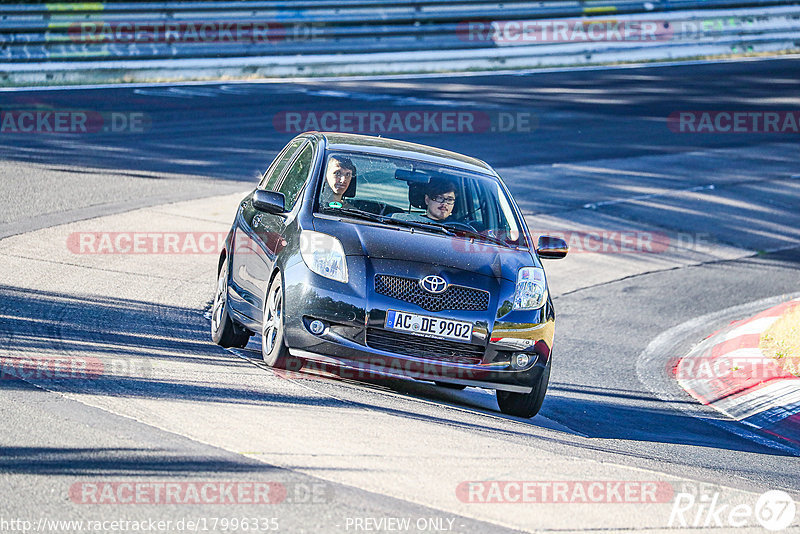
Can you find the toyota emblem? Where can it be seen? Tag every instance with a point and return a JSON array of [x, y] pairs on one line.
[[433, 284]]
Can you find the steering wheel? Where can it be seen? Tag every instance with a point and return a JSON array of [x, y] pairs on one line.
[[459, 225]]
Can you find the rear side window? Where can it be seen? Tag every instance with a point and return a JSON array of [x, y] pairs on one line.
[[270, 179], [297, 175]]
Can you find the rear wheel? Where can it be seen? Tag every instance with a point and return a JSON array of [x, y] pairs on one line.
[[525, 404], [273, 348], [224, 331]]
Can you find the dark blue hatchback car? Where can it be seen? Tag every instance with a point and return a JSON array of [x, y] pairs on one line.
[[391, 259]]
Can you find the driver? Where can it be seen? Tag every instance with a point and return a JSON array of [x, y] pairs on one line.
[[338, 175], [440, 198]]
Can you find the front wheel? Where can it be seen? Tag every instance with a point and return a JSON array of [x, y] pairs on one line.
[[525, 404], [273, 349], [224, 331]]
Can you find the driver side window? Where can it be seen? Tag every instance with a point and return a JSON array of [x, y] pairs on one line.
[[270, 179], [297, 175]]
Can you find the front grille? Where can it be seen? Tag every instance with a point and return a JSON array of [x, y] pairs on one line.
[[453, 298], [423, 347]]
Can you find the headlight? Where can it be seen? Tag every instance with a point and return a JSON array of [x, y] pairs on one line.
[[324, 255], [531, 292]]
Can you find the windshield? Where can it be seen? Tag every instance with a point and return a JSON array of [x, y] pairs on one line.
[[402, 192]]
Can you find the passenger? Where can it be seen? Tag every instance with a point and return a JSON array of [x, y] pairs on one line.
[[440, 198], [339, 175]]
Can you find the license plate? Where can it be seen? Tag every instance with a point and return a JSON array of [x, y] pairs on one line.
[[423, 325]]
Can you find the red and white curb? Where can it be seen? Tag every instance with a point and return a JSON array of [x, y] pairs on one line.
[[728, 372]]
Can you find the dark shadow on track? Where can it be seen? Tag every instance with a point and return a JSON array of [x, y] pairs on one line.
[[111, 330], [608, 418], [117, 462], [115, 347]]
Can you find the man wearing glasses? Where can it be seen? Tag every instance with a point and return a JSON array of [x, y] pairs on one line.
[[440, 198]]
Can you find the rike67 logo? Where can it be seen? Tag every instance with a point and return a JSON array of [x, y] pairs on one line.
[[774, 510]]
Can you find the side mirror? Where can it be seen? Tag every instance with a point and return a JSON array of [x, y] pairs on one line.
[[269, 201], [552, 248]]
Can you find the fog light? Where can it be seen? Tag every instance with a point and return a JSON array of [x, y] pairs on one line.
[[316, 327], [521, 360]]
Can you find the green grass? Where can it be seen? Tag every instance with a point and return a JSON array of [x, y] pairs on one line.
[[782, 340]]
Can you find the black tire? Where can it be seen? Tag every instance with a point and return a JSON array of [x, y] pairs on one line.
[[525, 404], [274, 351], [448, 385], [225, 332]]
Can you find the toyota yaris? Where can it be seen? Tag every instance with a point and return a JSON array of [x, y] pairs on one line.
[[394, 259]]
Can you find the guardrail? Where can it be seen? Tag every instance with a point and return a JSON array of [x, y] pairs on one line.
[[42, 43]]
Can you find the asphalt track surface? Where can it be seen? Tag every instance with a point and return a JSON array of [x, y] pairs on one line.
[[601, 155]]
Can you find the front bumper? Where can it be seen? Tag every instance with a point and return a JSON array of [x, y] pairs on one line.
[[353, 312]]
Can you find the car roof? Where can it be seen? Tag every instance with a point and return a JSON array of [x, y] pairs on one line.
[[403, 149]]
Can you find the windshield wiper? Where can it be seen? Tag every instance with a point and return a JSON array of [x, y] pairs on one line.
[[359, 214], [476, 234], [454, 231], [425, 226], [417, 224], [395, 222]]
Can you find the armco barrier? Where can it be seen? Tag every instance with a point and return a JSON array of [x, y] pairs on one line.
[[57, 43]]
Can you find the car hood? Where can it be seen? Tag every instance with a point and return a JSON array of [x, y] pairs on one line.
[[398, 243]]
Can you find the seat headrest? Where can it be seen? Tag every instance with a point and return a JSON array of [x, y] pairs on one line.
[[350, 192], [416, 195]]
